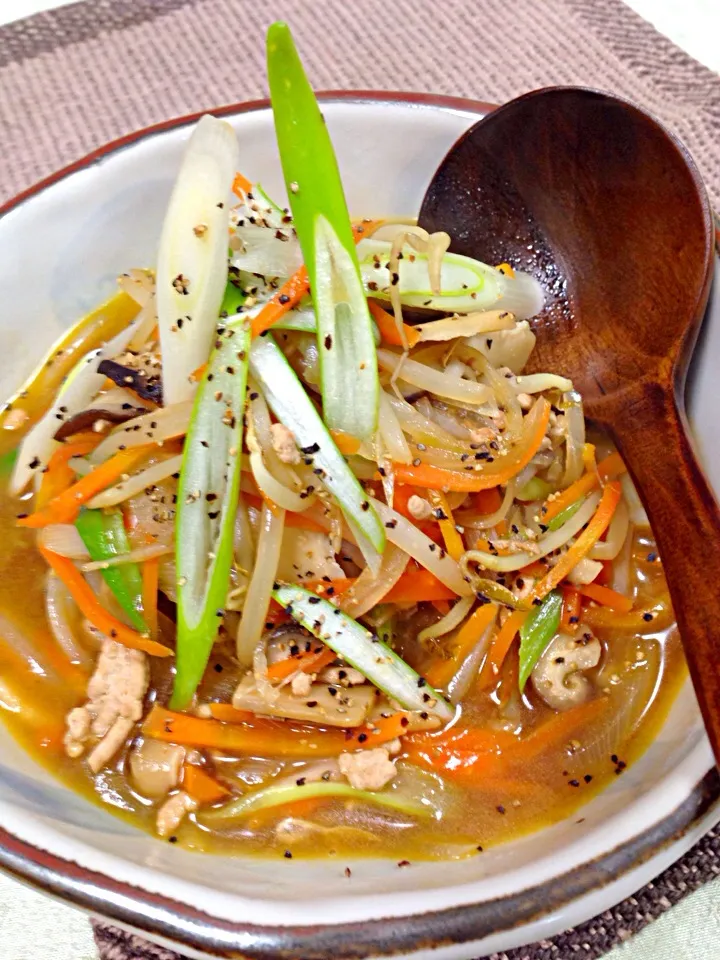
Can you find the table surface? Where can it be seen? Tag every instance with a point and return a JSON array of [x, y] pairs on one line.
[[33, 927]]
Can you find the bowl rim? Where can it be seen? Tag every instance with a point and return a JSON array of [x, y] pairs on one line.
[[184, 926]]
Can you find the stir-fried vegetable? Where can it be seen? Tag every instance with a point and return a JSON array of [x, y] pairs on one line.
[[536, 632], [192, 261], [103, 533], [363, 650], [348, 367], [207, 497]]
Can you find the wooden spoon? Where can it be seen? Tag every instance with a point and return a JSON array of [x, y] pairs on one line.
[[594, 198]]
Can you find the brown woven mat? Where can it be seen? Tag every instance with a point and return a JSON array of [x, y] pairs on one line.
[[74, 78]]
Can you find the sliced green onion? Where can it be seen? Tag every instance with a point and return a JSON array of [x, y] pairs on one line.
[[565, 514], [302, 319], [103, 533], [535, 489], [466, 285], [207, 500], [362, 650], [540, 626], [280, 794], [348, 366], [292, 406], [192, 265]]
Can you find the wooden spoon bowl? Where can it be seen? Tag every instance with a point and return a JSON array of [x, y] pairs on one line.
[[605, 208]]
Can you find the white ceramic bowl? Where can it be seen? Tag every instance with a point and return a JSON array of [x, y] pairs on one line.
[[61, 246]]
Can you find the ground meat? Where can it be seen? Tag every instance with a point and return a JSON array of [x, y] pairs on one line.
[[419, 508], [342, 676], [525, 401], [301, 684], [115, 696], [368, 769], [283, 443], [172, 813]]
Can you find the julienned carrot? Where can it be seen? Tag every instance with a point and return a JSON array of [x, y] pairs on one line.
[[241, 186], [558, 730], [607, 597], [66, 506], [59, 476], [570, 608], [590, 535], [441, 672], [388, 328], [229, 714], [311, 662], [649, 619], [500, 647], [417, 585], [90, 607], [150, 576], [295, 288], [345, 443], [487, 501], [203, 788], [608, 469], [453, 541], [438, 478]]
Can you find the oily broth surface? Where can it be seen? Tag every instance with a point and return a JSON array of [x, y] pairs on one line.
[[639, 675]]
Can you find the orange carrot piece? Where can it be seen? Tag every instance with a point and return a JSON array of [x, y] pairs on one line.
[[345, 443], [487, 501], [558, 730], [311, 662], [59, 476], [438, 478], [590, 535], [295, 288], [417, 585], [198, 373], [570, 608], [607, 597], [91, 608], [388, 328], [453, 541], [66, 506], [442, 606], [441, 672], [241, 186], [608, 469], [499, 648], [150, 577], [655, 616], [203, 788], [229, 714], [380, 730]]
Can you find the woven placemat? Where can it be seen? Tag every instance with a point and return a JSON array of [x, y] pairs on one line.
[[77, 77]]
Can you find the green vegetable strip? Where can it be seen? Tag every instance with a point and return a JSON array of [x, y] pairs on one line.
[[103, 533], [207, 500], [362, 649], [280, 794], [292, 406], [348, 365], [565, 515], [539, 628]]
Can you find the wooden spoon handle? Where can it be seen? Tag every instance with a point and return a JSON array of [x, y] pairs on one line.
[[652, 436]]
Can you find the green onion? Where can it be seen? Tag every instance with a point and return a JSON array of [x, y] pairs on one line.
[[103, 533], [292, 406], [207, 500], [362, 650], [537, 631], [280, 794], [565, 515], [348, 366], [535, 489]]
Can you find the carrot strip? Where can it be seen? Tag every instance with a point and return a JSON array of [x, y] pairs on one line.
[[499, 648], [442, 606], [415, 586], [487, 501], [66, 506], [59, 476], [90, 607], [241, 186], [198, 373], [345, 443], [441, 672], [388, 327], [229, 714], [608, 469], [295, 288], [607, 597], [311, 662], [453, 541], [590, 535], [558, 730], [438, 478], [570, 608], [203, 788], [150, 576], [656, 616]]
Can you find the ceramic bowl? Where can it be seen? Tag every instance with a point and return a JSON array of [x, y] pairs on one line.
[[96, 219]]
